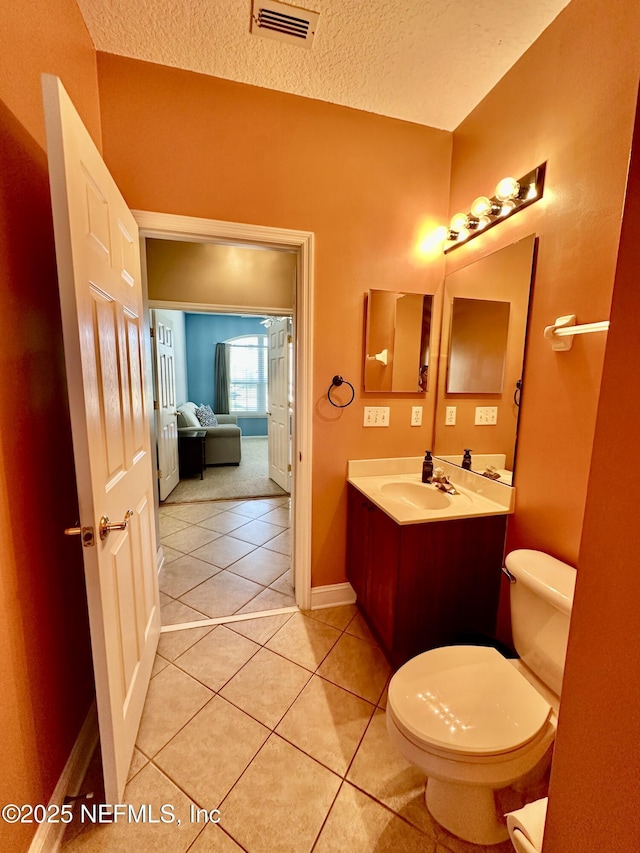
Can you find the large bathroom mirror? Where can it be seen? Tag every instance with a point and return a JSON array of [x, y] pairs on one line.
[[398, 333], [484, 327]]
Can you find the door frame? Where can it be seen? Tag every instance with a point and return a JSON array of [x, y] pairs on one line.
[[166, 226]]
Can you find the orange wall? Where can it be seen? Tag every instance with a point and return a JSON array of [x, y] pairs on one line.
[[569, 101], [45, 660], [184, 143], [598, 746]]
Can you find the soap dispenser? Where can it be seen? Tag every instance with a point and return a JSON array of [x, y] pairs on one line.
[[427, 467], [466, 460]]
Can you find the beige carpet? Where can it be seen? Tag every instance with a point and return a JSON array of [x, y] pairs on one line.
[[249, 479]]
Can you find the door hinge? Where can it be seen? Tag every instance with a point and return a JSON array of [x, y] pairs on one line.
[[152, 332], [289, 339], [289, 467], [156, 405], [159, 474]]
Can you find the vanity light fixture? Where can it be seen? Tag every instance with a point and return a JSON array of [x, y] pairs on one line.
[[510, 197]]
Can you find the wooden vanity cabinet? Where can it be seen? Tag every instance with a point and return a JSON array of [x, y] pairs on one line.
[[424, 585]]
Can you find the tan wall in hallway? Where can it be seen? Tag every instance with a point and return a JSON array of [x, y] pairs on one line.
[[46, 673], [248, 278], [183, 143]]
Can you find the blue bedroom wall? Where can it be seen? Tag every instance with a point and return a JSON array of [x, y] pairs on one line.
[[203, 332]]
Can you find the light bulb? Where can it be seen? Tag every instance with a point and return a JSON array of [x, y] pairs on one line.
[[481, 206], [532, 192], [458, 221], [463, 234], [507, 188], [483, 221], [507, 207]]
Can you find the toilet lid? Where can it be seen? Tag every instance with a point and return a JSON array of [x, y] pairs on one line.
[[466, 699]]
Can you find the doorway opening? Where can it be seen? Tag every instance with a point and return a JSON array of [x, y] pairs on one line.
[[213, 232], [225, 524], [240, 367]]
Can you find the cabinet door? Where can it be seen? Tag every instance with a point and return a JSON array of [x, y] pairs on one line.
[[449, 585], [358, 510], [384, 535]]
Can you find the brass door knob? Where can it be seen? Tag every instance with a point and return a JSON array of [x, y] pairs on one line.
[[107, 526]]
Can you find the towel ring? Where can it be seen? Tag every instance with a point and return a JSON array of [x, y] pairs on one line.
[[336, 382], [517, 393]]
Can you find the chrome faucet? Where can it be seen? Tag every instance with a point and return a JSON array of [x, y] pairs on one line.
[[441, 481]]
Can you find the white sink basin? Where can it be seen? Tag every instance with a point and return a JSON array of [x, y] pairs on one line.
[[418, 495]]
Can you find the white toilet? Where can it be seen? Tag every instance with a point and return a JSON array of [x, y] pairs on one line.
[[475, 721]]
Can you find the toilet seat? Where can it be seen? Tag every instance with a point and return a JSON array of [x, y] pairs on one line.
[[466, 701]]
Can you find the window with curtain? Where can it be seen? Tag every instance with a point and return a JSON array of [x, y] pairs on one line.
[[247, 356]]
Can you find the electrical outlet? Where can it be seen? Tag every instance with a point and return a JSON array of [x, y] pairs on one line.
[[486, 415], [450, 416], [376, 416], [416, 415]]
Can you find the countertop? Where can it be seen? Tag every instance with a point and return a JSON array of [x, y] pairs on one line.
[[478, 496]]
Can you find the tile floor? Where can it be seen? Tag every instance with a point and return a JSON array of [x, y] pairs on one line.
[[279, 723], [225, 557]]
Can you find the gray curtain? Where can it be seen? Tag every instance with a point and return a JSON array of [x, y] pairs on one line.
[[221, 381]]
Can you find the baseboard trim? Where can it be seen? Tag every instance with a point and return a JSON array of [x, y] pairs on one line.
[[332, 595], [49, 835]]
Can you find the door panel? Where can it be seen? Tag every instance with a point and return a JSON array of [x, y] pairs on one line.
[[102, 309], [279, 415], [166, 415]]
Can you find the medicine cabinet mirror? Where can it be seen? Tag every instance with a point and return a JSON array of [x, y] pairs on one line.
[[484, 327], [397, 341]]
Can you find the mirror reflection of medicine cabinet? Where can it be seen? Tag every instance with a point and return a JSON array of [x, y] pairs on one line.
[[477, 346], [397, 343], [484, 327]]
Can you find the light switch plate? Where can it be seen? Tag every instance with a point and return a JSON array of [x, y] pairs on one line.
[[376, 416], [486, 415]]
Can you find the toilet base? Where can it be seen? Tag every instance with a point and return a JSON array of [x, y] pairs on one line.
[[468, 811]]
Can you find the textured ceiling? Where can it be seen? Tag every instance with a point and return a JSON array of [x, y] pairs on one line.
[[426, 61]]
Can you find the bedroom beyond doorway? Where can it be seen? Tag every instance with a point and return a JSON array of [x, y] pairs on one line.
[[228, 482]]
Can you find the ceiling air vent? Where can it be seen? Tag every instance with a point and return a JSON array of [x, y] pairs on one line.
[[284, 23]]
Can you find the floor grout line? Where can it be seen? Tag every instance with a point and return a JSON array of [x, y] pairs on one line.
[[225, 620]]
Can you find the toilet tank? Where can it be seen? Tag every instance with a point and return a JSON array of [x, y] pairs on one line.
[[541, 602]]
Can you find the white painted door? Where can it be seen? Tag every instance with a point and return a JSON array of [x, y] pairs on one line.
[[101, 298], [279, 410], [166, 415]]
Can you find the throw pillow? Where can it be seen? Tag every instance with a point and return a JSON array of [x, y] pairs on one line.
[[205, 416], [211, 415]]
